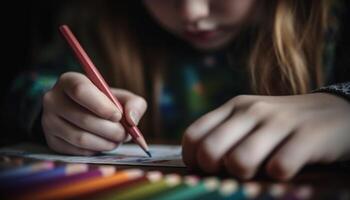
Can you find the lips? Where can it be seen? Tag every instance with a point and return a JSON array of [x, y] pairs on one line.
[[201, 36]]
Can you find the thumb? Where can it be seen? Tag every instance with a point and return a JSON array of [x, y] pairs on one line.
[[134, 105]]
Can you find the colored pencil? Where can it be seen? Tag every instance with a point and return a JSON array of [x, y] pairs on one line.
[[151, 177], [107, 191], [145, 191], [188, 180], [44, 176], [230, 189], [195, 188], [67, 180], [88, 186], [251, 190], [302, 192], [273, 191], [26, 170]]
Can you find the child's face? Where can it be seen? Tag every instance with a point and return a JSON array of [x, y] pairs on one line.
[[205, 24]]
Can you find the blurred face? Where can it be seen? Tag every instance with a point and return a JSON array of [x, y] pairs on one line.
[[205, 24]]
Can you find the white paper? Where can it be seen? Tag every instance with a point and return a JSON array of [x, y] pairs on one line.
[[126, 154]]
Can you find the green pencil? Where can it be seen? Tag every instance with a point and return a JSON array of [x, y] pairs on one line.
[[194, 189], [230, 189], [155, 185]]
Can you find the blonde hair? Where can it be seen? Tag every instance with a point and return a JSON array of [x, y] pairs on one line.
[[287, 56]]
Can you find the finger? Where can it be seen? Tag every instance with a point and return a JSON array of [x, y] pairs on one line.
[[61, 146], [128, 138], [199, 129], [244, 160], [89, 122], [227, 135], [79, 88], [293, 155], [134, 105], [77, 136]]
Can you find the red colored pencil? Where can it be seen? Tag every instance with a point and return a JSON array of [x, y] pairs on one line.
[[95, 77]]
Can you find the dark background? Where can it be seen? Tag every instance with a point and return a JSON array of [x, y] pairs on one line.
[[24, 26]]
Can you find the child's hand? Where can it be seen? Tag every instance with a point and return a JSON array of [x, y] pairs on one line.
[[286, 132], [79, 119]]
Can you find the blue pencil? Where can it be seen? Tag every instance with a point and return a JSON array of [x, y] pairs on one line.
[[25, 170], [43, 176]]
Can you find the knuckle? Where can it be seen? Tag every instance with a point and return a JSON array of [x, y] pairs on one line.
[[258, 108], [85, 121], [78, 90], [284, 118], [240, 99], [82, 140]]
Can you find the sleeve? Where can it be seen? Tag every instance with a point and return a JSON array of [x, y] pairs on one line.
[[22, 104], [340, 89]]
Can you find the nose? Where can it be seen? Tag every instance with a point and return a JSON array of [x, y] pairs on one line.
[[194, 10]]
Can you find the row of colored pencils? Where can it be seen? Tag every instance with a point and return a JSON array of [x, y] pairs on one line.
[[49, 180]]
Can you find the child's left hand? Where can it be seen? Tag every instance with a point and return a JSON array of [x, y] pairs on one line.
[[287, 132]]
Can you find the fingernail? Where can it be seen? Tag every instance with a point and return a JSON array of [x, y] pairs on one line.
[[116, 116], [134, 117], [127, 138]]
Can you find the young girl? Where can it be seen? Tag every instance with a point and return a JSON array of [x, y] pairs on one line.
[[242, 81]]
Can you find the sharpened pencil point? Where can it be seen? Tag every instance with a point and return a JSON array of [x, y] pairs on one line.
[[149, 154]]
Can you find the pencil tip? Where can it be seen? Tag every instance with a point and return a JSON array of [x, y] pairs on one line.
[[149, 154]]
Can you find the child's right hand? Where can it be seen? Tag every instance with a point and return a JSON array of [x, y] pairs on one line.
[[79, 119]]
